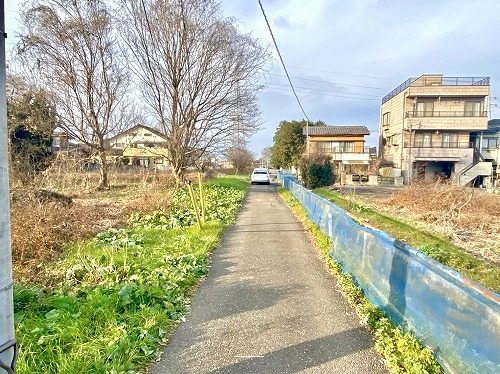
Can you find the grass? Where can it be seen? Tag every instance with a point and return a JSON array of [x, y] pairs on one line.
[[114, 299], [482, 271], [401, 350]]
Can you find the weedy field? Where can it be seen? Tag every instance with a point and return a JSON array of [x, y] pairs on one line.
[[104, 290], [65, 207]]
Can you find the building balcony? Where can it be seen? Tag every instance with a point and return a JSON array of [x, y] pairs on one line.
[[351, 158], [449, 113], [447, 121], [452, 151]]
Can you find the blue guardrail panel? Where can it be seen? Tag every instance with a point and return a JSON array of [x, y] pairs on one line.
[[456, 317]]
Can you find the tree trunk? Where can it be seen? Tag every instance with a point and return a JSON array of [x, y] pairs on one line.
[[103, 172], [179, 175]]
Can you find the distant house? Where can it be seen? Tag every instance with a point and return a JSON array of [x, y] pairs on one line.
[[346, 147], [62, 142], [426, 124], [140, 146], [487, 143]]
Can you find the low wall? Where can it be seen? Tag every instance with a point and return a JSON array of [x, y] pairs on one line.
[[456, 317]]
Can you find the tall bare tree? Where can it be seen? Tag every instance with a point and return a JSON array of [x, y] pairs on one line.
[[72, 46], [198, 74]]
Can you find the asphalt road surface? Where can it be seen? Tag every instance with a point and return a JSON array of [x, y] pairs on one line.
[[269, 305]]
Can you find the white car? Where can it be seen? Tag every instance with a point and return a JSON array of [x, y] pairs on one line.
[[260, 175]]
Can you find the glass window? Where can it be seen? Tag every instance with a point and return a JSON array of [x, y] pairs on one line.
[[449, 140], [347, 146], [424, 109], [490, 143], [473, 108], [386, 119], [423, 139], [324, 147], [332, 147]]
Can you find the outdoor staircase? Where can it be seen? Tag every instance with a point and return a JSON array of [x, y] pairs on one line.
[[468, 174]]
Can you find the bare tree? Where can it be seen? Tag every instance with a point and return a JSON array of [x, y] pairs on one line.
[[266, 154], [241, 158], [72, 46], [197, 73]]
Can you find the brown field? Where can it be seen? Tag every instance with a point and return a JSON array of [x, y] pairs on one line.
[[63, 208], [469, 217]]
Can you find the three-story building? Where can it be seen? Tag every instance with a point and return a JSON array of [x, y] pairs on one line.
[[426, 125]]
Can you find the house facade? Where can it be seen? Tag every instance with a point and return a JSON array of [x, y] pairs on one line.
[[488, 144], [140, 146], [426, 125], [346, 147]]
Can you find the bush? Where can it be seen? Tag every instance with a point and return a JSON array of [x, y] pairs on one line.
[[316, 171]]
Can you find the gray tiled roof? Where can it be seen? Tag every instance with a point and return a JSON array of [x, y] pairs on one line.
[[337, 130]]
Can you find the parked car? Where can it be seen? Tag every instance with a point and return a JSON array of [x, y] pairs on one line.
[[260, 175]]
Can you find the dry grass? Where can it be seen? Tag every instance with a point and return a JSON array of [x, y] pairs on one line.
[[42, 223], [470, 218]]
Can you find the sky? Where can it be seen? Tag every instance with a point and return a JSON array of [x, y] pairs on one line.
[[343, 56]]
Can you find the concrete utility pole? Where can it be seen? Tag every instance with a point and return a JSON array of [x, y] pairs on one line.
[[7, 342]]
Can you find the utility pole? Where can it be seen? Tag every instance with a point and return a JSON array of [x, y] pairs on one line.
[[8, 345]]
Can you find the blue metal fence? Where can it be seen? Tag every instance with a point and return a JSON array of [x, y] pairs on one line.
[[456, 317]]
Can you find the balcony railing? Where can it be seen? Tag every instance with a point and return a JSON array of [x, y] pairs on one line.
[[449, 113], [437, 81], [455, 145], [358, 150]]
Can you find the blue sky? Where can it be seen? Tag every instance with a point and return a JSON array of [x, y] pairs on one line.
[[344, 56]]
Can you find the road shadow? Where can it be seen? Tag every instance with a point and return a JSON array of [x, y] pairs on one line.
[[303, 355]]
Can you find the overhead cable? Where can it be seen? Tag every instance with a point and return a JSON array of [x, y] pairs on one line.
[[281, 59]]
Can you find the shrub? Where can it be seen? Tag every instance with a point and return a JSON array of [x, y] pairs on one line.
[[316, 171]]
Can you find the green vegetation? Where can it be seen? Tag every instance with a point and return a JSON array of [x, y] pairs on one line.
[[114, 299], [402, 352], [289, 144], [316, 171], [440, 249]]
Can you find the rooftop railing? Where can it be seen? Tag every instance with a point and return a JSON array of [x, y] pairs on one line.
[[433, 80]]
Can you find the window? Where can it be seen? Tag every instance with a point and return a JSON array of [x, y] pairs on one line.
[[473, 108], [346, 146], [424, 109], [423, 140], [332, 147], [386, 119], [449, 140], [490, 143]]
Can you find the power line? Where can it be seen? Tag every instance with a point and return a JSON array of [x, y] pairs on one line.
[[337, 84], [281, 59], [301, 89], [351, 75]]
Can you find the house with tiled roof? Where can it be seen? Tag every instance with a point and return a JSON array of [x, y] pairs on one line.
[[346, 147], [140, 146]]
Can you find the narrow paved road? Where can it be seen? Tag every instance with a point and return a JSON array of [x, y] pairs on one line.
[[269, 305]]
